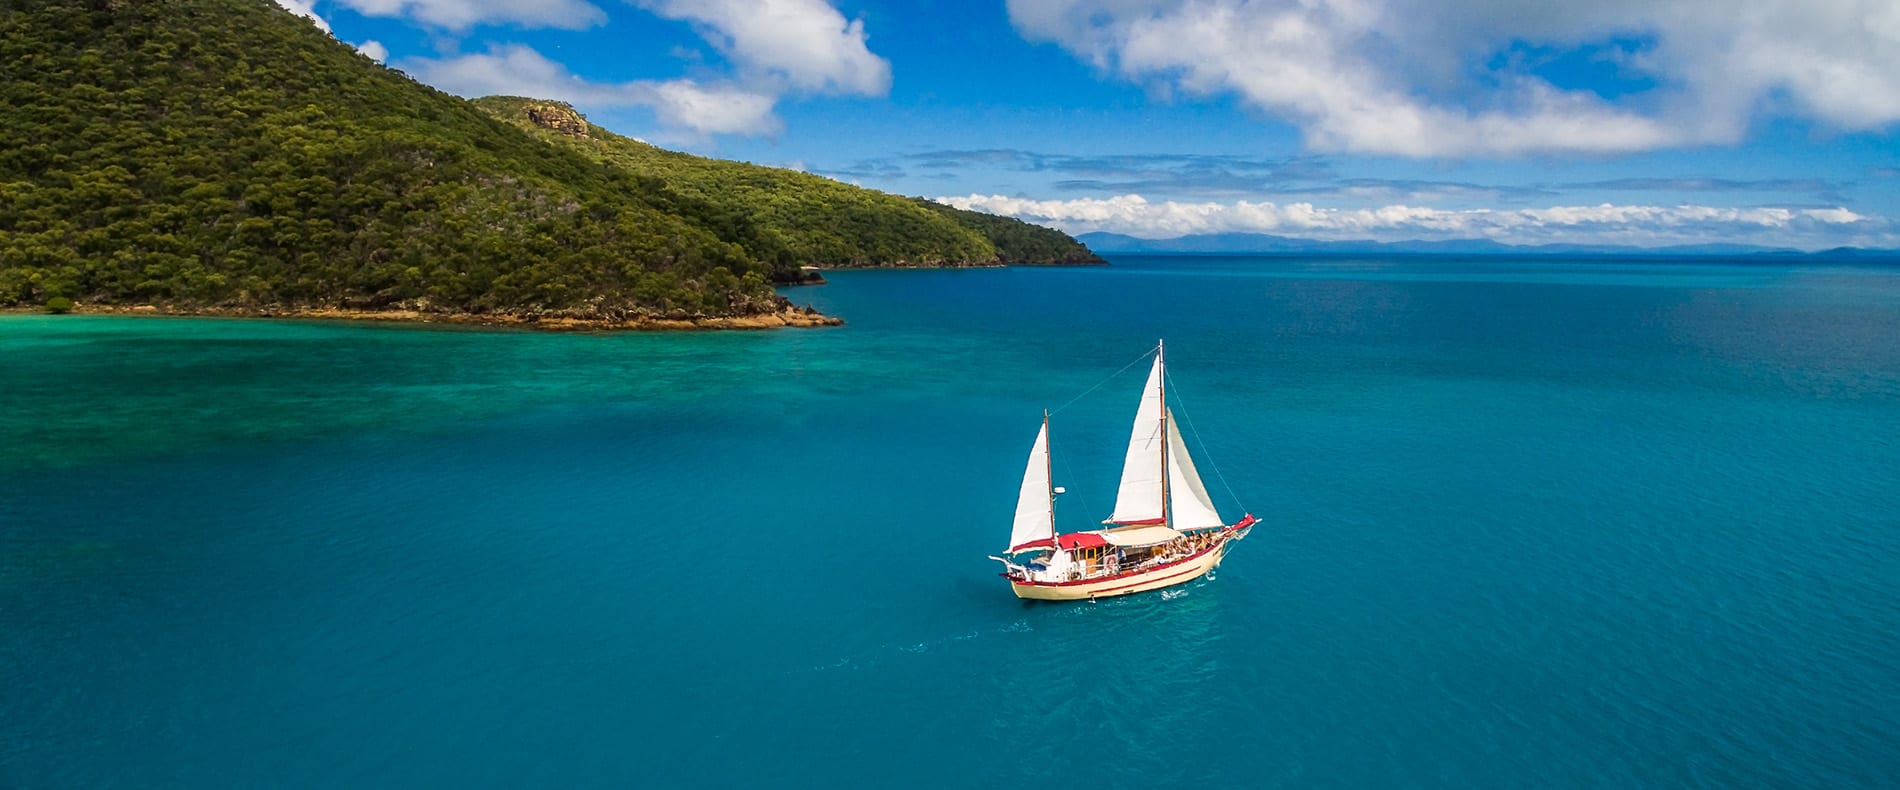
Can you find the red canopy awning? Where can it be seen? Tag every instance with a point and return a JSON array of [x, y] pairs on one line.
[[1082, 540], [1074, 540]]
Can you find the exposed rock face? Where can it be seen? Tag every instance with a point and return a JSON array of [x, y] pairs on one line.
[[558, 117]]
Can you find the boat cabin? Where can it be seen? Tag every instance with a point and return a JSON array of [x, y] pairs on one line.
[[1113, 552]]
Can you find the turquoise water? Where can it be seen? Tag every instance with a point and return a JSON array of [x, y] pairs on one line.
[[1528, 524]]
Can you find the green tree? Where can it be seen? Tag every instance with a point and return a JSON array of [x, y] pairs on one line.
[[201, 153]]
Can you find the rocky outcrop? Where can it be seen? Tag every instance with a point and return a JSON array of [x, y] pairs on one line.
[[558, 118], [804, 275]]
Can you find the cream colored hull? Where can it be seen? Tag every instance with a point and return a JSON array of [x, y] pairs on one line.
[[1125, 584]]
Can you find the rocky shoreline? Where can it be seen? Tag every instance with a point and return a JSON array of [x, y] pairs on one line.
[[818, 271], [788, 317]]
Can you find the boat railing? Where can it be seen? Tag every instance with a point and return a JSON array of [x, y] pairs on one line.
[[1099, 568]]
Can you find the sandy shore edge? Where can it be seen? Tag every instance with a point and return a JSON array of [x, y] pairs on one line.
[[787, 318]]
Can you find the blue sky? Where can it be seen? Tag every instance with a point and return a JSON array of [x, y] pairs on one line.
[[1648, 122]]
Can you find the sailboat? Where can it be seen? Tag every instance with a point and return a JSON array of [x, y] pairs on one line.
[[1164, 530]]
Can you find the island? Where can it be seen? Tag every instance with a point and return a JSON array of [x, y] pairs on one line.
[[226, 157]]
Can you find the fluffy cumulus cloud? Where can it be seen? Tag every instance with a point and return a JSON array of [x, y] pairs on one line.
[[1430, 78], [698, 108], [1600, 224], [776, 48], [806, 44], [463, 14]]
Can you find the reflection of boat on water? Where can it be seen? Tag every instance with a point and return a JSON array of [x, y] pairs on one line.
[[1164, 531]]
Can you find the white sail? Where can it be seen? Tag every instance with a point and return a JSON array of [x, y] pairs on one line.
[[1035, 519], [1186, 493], [1139, 499]]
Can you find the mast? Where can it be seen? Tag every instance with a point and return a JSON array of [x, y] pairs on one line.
[[1162, 364], [1049, 468]]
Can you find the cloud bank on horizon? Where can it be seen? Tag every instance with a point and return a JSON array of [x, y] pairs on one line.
[[1456, 85], [1647, 226]]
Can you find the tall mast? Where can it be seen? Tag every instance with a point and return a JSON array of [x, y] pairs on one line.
[[1049, 465], [1167, 517]]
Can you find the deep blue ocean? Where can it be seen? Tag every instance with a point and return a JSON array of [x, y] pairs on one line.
[[1600, 522]]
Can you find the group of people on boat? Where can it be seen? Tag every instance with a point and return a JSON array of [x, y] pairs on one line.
[[1114, 561], [1200, 540], [1189, 544]]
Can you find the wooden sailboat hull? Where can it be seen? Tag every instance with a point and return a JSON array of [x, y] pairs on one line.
[[1178, 572], [1161, 508]]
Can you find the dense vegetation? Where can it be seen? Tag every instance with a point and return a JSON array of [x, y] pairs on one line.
[[786, 216], [224, 153], [1017, 241]]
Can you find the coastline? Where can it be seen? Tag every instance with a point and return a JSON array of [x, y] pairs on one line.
[[817, 272], [1096, 261], [788, 317]]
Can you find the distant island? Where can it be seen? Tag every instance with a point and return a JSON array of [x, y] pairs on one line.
[[227, 157], [1264, 243]]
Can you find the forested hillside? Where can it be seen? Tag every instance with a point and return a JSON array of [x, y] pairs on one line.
[[786, 216], [225, 153]]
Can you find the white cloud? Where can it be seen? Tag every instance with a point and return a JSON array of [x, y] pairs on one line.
[[699, 108], [802, 45], [1601, 224], [306, 9], [463, 14], [714, 109], [1396, 76], [375, 50], [806, 44], [776, 48], [508, 71]]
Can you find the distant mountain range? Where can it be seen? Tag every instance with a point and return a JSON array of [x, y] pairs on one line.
[[1266, 243]]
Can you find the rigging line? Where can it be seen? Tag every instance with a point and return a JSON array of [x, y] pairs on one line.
[[1098, 385], [1071, 473], [1176, 389]]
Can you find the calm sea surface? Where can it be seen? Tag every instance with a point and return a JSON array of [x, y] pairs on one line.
[[1527, 524]]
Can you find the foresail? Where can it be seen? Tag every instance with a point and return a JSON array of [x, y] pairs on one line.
[[1034, 520], [1139, 498], [1191, 505]]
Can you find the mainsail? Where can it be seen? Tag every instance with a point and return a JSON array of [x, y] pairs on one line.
[[1139, 499], [1035, 515]]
